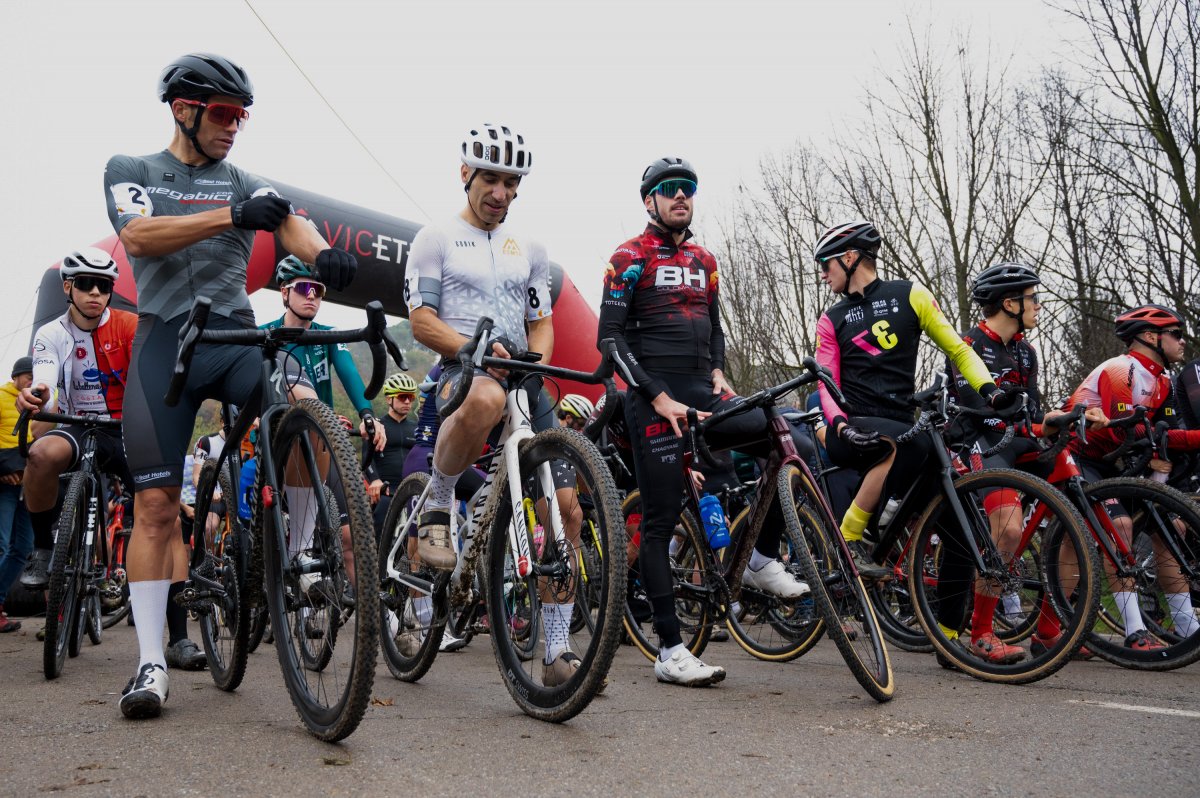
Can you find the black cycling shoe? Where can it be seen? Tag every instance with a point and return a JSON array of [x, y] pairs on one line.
[[867, 568], [186, 656]]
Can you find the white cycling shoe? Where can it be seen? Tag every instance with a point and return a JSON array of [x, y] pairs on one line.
[[685, 669], [146, 693], [773, 578]]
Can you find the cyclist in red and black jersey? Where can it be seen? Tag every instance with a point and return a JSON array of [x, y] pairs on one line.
[[869, 341], [1008, 296], [660, 307], [1155, 336]]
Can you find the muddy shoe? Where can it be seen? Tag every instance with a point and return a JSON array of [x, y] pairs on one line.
[[434, 546]]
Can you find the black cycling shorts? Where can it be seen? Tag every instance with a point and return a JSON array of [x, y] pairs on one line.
[[156, 436], [110, 454]]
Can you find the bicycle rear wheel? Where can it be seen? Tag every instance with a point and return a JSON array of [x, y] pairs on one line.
[[316, 605], [1157, 512], [893, 602], [1052, 569], [840, 595], [772, 628], [547, 691], [690, 574], [224, 621], [114, 592], [409, 646], [66, 575]]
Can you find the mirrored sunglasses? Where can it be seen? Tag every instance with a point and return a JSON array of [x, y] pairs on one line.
[[221, 114], [669, 188], [308, 288]]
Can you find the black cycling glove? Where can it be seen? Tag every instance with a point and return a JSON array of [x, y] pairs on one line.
[[261, 213], [866, 441], [336, 268], [1004, 401]]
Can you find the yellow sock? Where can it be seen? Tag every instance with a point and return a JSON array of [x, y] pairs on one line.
[[951, 634], [854, 522]]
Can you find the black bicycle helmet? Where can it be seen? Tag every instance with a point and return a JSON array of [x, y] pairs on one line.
[[199, 75], [1003, 280], [858, 234], [664, 169], [1145, 318]]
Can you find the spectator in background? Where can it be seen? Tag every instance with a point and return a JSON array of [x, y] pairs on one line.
[[16, 532]]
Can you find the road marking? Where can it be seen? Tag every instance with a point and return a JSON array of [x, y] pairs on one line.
[[1181, 713]]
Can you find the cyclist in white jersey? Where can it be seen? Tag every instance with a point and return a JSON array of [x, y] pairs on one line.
[[475, 265]]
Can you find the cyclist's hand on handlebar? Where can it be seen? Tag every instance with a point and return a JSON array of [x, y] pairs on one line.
[[1002, 400], [336, 267], [374, 490], [261, 213], [380, 439], [697, 479], [674, 412], [1095, 418], [867, 441], [499, 349], [721, 386], [33, 397], [1160, 466]]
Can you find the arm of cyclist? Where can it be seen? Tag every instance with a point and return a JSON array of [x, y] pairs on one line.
[[343, 364], [829, 356], [716, 343], [933, 322]]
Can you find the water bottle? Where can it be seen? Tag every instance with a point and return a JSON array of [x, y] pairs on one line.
[[713, 516]]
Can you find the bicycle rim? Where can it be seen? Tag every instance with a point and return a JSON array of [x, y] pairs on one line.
[[841, 598], [409, 645], [63, 601], [326, 630], [1152, 508], [766, 626], [549, 692], [224, 621], [1051, 570]]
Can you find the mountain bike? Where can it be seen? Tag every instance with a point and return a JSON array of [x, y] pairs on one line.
[[82, 563], [516, 526], [310, 525]]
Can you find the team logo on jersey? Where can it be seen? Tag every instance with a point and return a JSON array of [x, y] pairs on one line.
[[618, 285], [854, 315], [678, 276], [510, 247], [80, 352]]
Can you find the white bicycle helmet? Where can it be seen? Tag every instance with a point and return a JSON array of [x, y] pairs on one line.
[[575, 405], [89, 261], [497, 148]]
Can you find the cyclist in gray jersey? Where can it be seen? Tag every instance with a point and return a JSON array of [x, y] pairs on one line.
[[187, 220]]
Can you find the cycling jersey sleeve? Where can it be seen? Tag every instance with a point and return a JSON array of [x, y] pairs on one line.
[[621, 275], [47, 360], [343, 364], [829, 356], [124, 193], [716, 341], [537, 290], [935, 325], [423, 273]]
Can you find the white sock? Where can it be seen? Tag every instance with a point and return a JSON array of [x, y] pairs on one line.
[[1181, 610], [556, 624], [441, 488], [758, 560], [1127, 603], [423, 607], [302, 517], [675, 545], [149, 603], [666, 652], [1012, 603]]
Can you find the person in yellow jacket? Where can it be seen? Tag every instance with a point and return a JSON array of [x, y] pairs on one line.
[[16, 533]]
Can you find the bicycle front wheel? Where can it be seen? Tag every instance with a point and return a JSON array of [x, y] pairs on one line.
[[66, 577], [840, 595], [410, 631], [553, 587], [1165, 545], [224, 620], [1044, 562], [325, 619]]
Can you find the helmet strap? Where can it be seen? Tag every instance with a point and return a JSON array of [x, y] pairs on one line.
[[79, 310], [658, 219], [288, 306], [849, 270], [1019, 315], [190, 132], [1156, 347]]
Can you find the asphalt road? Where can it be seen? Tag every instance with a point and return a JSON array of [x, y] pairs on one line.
[[802, 728]]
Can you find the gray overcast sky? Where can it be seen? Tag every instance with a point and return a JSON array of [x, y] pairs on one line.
[[598, 88]]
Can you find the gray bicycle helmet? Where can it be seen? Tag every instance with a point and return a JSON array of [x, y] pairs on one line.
[[664, 169]]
